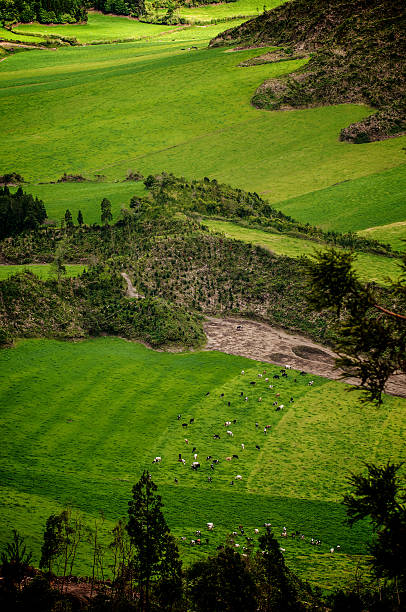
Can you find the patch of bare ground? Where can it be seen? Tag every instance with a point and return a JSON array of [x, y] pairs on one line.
[[263, 342]]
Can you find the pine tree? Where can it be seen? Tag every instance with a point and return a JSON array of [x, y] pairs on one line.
[[80, 218], [68, 218], [155, 553], [106, 215]]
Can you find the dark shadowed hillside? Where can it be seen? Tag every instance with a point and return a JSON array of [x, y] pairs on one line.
[[357, 54]]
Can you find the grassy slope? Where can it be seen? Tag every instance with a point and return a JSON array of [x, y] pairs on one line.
[[369, 267], [369, 201], [297, 479], [7, 35], [85, 197], [195, 133], [228, 10], [41, 270], [393, 233], [98, 27]]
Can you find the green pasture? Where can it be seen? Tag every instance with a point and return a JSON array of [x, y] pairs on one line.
[[157, 105], [358, 204], [41, 270], [81, 421], [7, 35], [85, 197], [394, 234], [369, 267], [98, 27], [224, 11]]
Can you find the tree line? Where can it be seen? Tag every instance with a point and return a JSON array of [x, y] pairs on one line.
[[19, 212], [142, 571]]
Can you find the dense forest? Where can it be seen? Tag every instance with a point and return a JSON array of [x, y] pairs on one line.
[[19, 212], [357, 54], [44, 11]]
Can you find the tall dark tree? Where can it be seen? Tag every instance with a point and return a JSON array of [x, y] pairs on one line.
[[371, 337], [105, 208], [274, 581], [80, 218], [68, 218], [222, 584], [52, 545], [19, 212], [380, 495], [154, 550]]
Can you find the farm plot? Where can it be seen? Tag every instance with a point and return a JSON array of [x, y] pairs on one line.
[[81, 421], [207, 130]]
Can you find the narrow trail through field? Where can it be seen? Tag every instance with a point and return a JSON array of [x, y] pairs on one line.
[[131, 292], [260, 341]]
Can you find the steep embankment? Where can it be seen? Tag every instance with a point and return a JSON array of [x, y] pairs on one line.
[[357, 54]]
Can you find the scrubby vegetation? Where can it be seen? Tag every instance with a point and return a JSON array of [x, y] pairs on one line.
[[209, 197], [357, 54], [44, 11]]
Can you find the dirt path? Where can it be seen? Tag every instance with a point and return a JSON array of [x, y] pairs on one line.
[[131, 292], [5, 43], [265, 343]]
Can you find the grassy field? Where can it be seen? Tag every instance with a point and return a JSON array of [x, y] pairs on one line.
[[98, 27], [194, 132], [394, 234], [41, 270], [230, 10], [359, 204], [85, 197], [81, 421], [7, 35], [369, 267]]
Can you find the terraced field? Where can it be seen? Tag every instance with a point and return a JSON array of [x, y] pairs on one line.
[[81, 421]]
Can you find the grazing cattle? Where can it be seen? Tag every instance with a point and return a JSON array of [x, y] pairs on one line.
[[288, 367], [266, 379], [230, 433], [259, 375], [209, 479], [238, 326], [183, 461], [232, 483], [193, 449], [184, 424], [195, 456], [228, 458], [242, 372], [285, 375], [242, 393], [179, 417], [265, 430], [257, 447], [242, 445], [221, 394], [195, 465], [235, 457], [216, 437], [271, 386], [191, 421], [331, 550], [176, 481], [260, 399], [208, 457], [276, 376], [256, 424], [256, 531], [281, 406], [311, 382], [246, 399], [157, 460], [186, 441], [302, 373], [234, 421], [267, 525], [180, 457], [208, 393], [216, 461], [282, 549], [238, 477], [210, 526], [227, 423], [274, 403], [253, 382], [228, 403]]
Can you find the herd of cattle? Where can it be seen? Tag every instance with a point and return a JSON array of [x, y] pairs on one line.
[[214, 462]]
